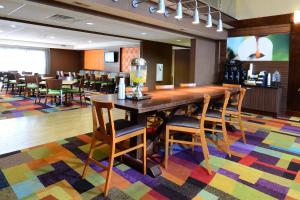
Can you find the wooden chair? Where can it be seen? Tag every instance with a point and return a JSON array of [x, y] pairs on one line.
[[112, 133], [54, 89], [19, 85], [218, 118], [39, 91], [191, 126], [235, 112], [187, 85], [164, 87], [79, 91], [31, 85]]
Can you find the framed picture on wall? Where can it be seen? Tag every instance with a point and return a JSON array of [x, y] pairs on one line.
[[159, 72], [273, 47]]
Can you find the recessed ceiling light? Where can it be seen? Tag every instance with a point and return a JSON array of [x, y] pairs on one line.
[[1, 31], [178, 40], [13, 26], [90, 41], [144, 33], [52, 37], [90, 23], [1, 6]]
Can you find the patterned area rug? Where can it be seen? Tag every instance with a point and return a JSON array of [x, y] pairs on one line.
[[267, 167], [19, 106]]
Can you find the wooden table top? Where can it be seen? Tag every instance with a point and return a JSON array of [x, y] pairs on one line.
[[166, 99]]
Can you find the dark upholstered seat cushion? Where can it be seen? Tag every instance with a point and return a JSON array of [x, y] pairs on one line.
[[184, 121], [124, 127], [213, 114]]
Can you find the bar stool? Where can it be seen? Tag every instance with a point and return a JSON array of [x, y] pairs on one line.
[[191, 126], [218, 118], [112, 133]]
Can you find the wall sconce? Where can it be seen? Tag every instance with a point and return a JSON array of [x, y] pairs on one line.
[[297, 16], [220, 23]]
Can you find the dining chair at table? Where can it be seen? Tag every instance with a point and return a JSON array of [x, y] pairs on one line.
[[53, 89], [187, 125], [111, 134], [31, 85], [41, 90], [19, 85], [79, 90], [218, 119], [188, 109]]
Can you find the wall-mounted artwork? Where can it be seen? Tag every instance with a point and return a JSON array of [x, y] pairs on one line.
[[274, 47], [159, 72]]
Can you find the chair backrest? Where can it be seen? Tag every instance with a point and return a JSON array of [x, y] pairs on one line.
[[30, 79], [226, 100], [241, 98], [17, 77], [11, 76], [38, 79], [99, 122], [54, 84], [204, 109], [188, 85], [93, 77], [86, 76], [164, 87], [104, 77]]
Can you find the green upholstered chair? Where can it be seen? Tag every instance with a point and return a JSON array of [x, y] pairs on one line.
[[78, 91], [54, 89], [18, 84], [31, 85]]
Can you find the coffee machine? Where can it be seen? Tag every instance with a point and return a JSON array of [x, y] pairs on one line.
[[234, 73]]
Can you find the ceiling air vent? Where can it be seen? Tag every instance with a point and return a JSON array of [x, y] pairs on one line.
[[63, 18]]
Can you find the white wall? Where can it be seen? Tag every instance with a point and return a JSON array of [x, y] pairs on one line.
[[246, 9]]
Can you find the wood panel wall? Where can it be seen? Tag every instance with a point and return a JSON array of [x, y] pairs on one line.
[[157, 53], [294, 72], [65, 60], [181, 66]]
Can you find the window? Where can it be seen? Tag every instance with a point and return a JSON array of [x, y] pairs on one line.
[[23, 59]]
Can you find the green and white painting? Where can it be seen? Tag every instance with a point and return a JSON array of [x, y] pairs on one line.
[[274, 47]]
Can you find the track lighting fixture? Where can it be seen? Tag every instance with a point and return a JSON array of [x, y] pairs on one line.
[[179, 10], [196, 14]]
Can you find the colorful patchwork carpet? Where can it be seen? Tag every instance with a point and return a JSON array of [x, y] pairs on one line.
[[19, 106], [267, 167]]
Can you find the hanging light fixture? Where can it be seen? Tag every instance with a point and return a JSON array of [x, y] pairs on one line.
[[220, 23], [179, 10], [161, 7], [196, 14], [209, 18], [297, 16]]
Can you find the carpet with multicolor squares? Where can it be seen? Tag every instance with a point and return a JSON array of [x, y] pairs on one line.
[[267, 167], [19, 106]]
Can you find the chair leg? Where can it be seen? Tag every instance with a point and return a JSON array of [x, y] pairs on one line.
[[225, 136], [90, 155], [242, 128], [193, 141], [171, 145], [145, 151], [46, 98], [167, 146], [205, 150], [110, 170]]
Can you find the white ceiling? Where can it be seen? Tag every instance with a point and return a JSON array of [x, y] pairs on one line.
[[26, 34]]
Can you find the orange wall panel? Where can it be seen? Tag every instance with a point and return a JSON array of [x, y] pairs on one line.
[[127, 55], [94, 59]]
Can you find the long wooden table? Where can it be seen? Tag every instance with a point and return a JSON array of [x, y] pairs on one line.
[[165, 99], [162, 100]]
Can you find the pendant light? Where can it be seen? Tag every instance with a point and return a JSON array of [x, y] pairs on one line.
[[179, 10], [297, 16], [196, 14], [209, 18], [220, 23], [161, 7]]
